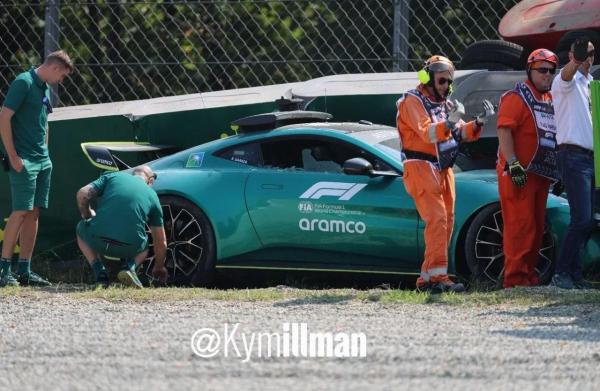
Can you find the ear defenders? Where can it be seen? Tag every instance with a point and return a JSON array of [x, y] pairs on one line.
[[423, 76]]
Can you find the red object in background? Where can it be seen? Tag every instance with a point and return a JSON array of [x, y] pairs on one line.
[[541, 23]]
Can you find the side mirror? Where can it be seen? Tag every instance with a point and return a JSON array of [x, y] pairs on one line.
[[360, 166]]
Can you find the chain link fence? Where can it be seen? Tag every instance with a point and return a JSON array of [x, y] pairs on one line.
[[127, 50]]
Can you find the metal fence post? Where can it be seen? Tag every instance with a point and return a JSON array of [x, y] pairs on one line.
[[401, 13], [51, 36]]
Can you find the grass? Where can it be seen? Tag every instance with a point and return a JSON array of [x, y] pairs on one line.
[[292, 296]]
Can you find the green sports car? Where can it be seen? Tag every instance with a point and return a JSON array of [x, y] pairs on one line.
[[291, 191]]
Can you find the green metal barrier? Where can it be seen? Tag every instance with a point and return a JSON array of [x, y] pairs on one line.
[[595, 87]]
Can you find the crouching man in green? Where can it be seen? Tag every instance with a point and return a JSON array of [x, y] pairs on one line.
[[24, 131], [117, 228]]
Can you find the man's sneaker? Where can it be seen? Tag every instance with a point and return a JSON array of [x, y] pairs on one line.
[[8, 280], [581, 284], [32, 279], [562, 281], [102, 281], [129, 278]]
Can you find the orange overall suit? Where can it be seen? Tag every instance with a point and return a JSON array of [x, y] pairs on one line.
[[431, 188], [523, 208]]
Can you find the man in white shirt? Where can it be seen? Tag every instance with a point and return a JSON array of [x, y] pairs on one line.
[[572, 105]]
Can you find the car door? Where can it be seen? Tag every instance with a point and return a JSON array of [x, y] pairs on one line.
[[302, 201]]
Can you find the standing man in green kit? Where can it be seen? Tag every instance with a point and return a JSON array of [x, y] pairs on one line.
[[24, 132]]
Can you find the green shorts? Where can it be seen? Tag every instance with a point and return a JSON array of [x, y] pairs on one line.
[[105, 245], [30, 187]]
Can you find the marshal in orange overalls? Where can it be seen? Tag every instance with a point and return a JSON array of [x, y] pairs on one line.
[[523, 208], [432, 189]]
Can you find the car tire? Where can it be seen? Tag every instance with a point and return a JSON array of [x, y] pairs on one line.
[[190, 244], [499, 52], [564, 44], [484, 251]]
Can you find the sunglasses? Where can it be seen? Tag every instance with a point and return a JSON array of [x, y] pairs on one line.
[[443, 80], [543, 71]]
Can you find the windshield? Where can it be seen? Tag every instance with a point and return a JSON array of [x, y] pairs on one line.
[[473, 156], [386, 140]]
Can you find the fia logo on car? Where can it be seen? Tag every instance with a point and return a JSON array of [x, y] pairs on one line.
[[305, 207], [344, 191]]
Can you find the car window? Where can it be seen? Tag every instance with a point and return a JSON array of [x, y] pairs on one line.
[[249, 154], [314, 155]]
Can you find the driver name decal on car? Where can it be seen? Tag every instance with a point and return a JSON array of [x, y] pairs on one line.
[[336, 226], [342, 190]]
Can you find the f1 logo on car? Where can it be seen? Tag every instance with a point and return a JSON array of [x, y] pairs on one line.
[[344, 191]]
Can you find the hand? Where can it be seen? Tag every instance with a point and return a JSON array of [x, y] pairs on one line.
[[517, 173], [580, 49], [488, 111], [16, 163], [456, 111], [558, 188], [160, 273]]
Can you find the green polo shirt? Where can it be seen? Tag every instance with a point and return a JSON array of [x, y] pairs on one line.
[[125, 206], [30, 121]]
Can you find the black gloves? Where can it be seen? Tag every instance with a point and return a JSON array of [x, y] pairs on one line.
[[517, 173]]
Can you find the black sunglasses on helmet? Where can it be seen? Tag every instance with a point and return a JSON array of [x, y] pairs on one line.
[[543, 71]]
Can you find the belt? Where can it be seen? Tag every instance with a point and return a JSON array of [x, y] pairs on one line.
[[419, 155], [575, 148]]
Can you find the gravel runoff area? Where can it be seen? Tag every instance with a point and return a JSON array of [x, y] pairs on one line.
[[57, 341]]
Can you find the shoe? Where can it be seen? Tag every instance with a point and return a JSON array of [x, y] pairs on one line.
[[425, 288], [581, 284], [437, 288], [102, 281], [449, 286], [32, 279], [8, 280], [562, 281], [129, 278]]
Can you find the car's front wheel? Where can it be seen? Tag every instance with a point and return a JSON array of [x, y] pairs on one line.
[[484, 250], [190, 244]]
